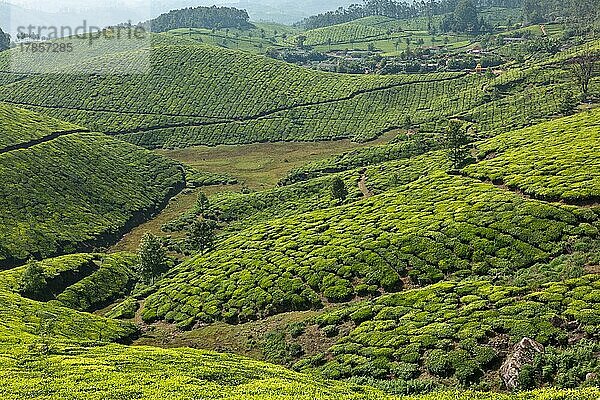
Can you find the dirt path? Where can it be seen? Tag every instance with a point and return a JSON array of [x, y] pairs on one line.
[[362, 185]]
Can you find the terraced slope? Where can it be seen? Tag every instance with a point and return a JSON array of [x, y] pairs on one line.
[[364, 29], [52, 352], [558, 160], [462, 331], [76, 191], [28, 320], [224, 96], [420, 233]]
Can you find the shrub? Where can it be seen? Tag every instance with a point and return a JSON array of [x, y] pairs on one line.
[[438, 363]]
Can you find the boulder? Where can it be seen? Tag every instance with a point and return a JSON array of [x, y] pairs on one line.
[[523, 353]]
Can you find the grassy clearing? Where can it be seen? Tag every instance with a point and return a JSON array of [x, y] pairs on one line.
[[261, 165]]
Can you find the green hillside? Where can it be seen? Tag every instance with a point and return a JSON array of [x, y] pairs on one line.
[[19, 126], [555, 160], [369, 28], [52, 352], [435, 227], [206, 214], [75, 191], [462, 330], [222, 96]]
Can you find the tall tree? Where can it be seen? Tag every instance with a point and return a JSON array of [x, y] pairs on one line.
[[4, 41], [465, 17], [583, 68], [152, 258], [201, 235], [202, 204], [455, 143], [338, 189]]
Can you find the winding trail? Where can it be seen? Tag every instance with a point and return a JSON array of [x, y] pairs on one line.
[[362, 184]]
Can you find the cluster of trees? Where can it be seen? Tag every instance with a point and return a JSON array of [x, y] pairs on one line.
[[465, 18], [153, 260], [4, 40], [200, 17], [582, 11], [396, 9]]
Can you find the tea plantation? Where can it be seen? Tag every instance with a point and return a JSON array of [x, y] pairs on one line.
[[556, 160], [218, 96], [460, 330], [416, 234], [373, 270], [76, 191], [19, 126]]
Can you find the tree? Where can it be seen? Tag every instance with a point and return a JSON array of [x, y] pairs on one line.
[[300, 39], [407, 123], [465, 17], [33, 280], [568, 103], [455, 143], [201, 235], [338, 189], [4, 41], [583, 68], [152, 258], [202, 204]]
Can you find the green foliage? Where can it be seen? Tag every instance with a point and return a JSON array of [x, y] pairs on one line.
[[455, 143], [361, 30], [200, 17], [568, 103], [114, 278], [33, 280], [215, 106], [438, 363], [152, 258], [124, 310], [364, 157], [76, 192], [20, 126], [455, 329], [195, 178], [435, 227], [202, 204], [97, 373], [338, 189], [276, 349], [201, 235], [556, 160]]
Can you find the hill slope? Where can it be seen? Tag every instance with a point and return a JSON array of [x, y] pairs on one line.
[[224, 96], [75, 190]]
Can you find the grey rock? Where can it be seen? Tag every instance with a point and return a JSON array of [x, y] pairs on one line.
[[523, 353]]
